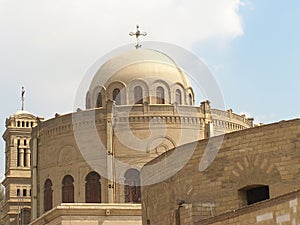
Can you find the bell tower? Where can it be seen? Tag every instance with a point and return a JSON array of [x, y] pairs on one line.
[[17, 182]]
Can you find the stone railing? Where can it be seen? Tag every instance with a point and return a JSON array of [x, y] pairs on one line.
[[144, 113]]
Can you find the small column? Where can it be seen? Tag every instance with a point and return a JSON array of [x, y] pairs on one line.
[[21, 157], [205, 109]]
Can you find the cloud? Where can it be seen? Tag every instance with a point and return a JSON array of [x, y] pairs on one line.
[[47, 46], [51, 24]]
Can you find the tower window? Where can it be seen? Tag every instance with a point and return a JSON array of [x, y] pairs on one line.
[[23, 124], [25, 157], [18, 192], [178, 97], [18, 124], [18, 153], [24, 192], [117, 96], [26, 216], [138, 95], [160, 95]]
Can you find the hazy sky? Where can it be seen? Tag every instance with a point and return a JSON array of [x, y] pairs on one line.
[[252, 47]]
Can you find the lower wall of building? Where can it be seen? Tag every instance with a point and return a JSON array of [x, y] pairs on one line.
[[266, 156], [281, 210], [92, 214]]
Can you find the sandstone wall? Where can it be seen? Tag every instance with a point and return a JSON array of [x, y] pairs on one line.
[[268, 155]]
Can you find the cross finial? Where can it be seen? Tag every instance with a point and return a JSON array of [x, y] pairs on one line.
[[137, 34], [23, 97]]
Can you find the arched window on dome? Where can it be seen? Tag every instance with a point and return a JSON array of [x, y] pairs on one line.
[[117, 96], [132, 186], [68, 189], [190, 99], [92, 188], [160, 95], [48, 195], [178, 97], [138, 95], [99, 100]]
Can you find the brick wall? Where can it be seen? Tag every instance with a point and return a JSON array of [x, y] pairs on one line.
[[267, 155], [281, 210]]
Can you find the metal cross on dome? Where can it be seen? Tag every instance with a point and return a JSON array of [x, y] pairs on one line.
[[137, 34], [23, 97]]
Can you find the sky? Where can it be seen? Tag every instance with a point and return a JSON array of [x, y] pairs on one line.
[[252, 48]]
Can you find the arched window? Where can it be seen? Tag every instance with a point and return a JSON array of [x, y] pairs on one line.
[[48, 195], [160, 95], [99, 101], [190, 99], [68, 189], [138, 95], [18, 153], [25, 216], [117, 96], [132, 186], [93, 188], [178, 97]]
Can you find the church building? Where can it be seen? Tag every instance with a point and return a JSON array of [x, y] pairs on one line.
[[87, 167]]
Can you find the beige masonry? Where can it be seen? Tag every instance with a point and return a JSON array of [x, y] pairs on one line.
[[17, 182], [268, 155], [144, 108], [58, 154]]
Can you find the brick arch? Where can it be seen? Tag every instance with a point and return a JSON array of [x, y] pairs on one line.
[[254, 169]]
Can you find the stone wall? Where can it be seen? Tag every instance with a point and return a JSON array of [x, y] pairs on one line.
[[268, 155], [91, 214], [280, 210]]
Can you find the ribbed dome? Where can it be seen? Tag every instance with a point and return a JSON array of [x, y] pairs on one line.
[[140, 63], [147, 67]]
